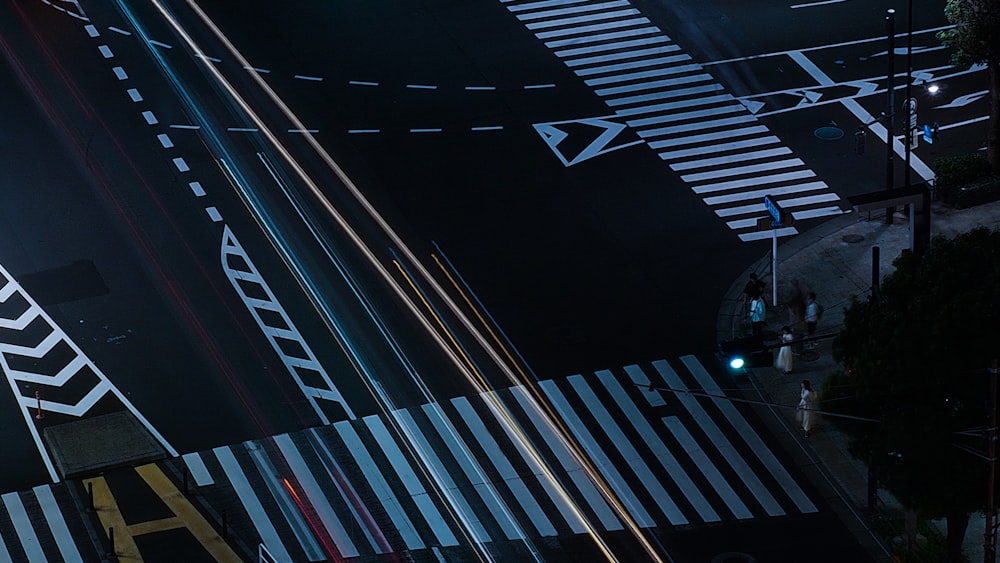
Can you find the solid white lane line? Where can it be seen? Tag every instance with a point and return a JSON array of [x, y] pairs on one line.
[[399, 464], [597, 455], [659, 449], [628, 451], [568, 462], [715, 435], [507, 472]]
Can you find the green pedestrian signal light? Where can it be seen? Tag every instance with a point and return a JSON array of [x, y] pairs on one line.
[[749, 352]]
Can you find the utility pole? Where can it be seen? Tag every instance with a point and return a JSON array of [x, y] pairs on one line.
[[910, 110], [989, 536], [890, 20]]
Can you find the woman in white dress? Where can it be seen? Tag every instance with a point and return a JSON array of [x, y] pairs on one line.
[[784, 362], [806, 405]]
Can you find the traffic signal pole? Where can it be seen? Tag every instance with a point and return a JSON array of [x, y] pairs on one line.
[[890, 20]]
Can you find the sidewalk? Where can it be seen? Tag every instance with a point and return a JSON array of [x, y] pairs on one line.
[[834, 260]]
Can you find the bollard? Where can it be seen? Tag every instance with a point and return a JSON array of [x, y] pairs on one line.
[[225, 527], [90, 496], [185, 480], [39, 415], [111, 542]]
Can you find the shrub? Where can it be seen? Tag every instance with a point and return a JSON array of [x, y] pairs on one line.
[[965, 180]]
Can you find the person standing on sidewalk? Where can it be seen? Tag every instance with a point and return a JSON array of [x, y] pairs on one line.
[[784, 362], [758, 312], [807, 403], [812, 317]]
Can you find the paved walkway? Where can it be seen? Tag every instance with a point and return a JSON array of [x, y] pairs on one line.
[[835, 261]]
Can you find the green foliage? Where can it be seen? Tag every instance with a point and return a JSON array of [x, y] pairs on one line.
[[965, 180], [916, 361], [976, 35]]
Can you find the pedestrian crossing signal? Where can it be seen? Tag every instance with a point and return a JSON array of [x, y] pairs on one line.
[[749, 352], [931, 132]]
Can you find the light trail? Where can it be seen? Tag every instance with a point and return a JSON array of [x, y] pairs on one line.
[[503, 415]]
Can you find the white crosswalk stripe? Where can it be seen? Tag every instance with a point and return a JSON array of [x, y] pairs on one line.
[[494, 468], [628, 61], [44, 525]]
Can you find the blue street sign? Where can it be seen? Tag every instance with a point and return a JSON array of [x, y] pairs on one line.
[[774, 210]]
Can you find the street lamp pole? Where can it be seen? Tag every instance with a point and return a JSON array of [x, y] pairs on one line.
[[909, 81], [890, 20]]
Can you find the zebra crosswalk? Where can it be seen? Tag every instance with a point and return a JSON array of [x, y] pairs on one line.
[[42, 525], [492, 470], [708, 136]]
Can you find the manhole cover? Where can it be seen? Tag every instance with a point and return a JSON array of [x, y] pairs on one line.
[[828, 133], [853, 238]]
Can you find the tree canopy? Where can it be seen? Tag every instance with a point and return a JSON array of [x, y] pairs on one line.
[[975, 39], [916, 360]]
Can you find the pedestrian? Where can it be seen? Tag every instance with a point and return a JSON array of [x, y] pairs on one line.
[[807, 403], [758, 312], [784, 362], [812, 317], [754, 287]]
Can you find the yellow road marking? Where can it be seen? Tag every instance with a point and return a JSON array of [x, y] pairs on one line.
[[161, 525], [111, 517], [186, 513]]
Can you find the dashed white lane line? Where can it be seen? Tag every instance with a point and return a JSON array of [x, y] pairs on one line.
[[197, 189], [105, 51], [422, 86], [120, 73], [214, 214], [119, 30], [364, 130], [429, 130], [165, 140], [181, 164], [305, 77], [134, 94], [150, 118], [243, 129], [91, 30], [488, 128], [175, 126], [361, 83], [303, 130], [538, 86], [258, 70], [480, 88], [208, 58], [160, 44]]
